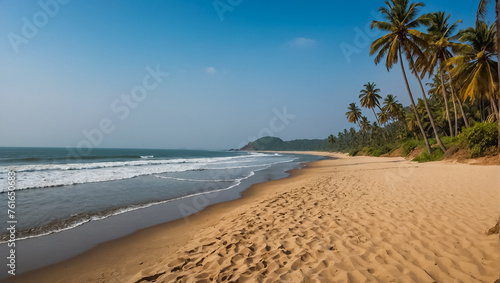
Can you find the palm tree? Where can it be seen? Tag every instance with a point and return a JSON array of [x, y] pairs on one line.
[[475, 66], [354, 113], [435, 89], [400, 26], [383, 117], [481, 14], [369, 97], [365, 124], [331, 139], [440, 35], [392, 107], [411, 121]]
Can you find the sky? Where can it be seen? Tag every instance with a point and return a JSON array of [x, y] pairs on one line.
[[188, 74]]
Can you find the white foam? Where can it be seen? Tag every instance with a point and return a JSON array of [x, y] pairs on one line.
[[137, 207], [52, 175]]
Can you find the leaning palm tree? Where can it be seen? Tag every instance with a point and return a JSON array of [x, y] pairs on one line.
[[400, 26], [354, 113], [475, 66], [369, 97], [481, 14], [440, 36]]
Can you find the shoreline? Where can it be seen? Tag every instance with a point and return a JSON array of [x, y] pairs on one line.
[[151, 251], [95, 233]]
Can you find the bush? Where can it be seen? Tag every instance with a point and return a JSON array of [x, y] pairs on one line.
[[353, 152], [482, 138], [410, 145], [437, 154], [377, 152], [449, 141]]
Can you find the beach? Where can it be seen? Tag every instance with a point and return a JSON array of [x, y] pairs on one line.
[[346, 219]]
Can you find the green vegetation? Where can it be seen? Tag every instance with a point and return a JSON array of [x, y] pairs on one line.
[[425, 156], [410, 145], [464, 90], [481, 138], [277, 144]]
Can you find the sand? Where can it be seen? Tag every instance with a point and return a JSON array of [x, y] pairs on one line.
[[352, 219]]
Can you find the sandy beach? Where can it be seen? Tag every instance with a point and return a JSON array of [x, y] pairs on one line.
[[349, 219]]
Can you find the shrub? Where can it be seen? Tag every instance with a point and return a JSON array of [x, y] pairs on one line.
[[449, 141], [368, 150], [481, 138], [377, 152], [353, 152], [410, 145], [437, 154]]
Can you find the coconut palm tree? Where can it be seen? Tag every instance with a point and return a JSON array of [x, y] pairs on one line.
[[481, 14], [435, 89], [475, 66], [440, 36], [383, 117], [400, 39], [354, 113], [331, 139], [369, 97], [392, 107], [365, 124]]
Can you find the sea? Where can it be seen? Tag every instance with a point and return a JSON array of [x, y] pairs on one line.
[[57, 191]]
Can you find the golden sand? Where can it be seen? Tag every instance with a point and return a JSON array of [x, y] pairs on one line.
[[344, 220]]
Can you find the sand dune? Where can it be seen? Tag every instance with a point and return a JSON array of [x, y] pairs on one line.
[[345, 220]]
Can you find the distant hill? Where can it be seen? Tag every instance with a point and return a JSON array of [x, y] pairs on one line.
[[273, 143]]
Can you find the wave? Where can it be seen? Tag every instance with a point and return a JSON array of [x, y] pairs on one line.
[[94, 173], [193, 180], [30, 159], [60, 225], [97, 165]]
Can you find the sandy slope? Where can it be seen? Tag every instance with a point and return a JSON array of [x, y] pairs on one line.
[[344, 220]]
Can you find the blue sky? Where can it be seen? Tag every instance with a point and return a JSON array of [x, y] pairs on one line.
[[231, 73]]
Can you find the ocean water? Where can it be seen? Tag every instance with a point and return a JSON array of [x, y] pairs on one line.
[[55, 193]]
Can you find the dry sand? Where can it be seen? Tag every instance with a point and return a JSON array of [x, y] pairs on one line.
[[345, 220]]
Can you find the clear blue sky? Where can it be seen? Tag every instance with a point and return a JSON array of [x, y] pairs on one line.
[[74, 62]]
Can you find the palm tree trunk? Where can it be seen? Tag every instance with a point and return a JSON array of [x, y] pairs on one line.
[[445, 101], [417, 117], [376, 117], [497, 12], [494, 107], [441, 145], [481, 107], [455, 112], [459, 102]]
